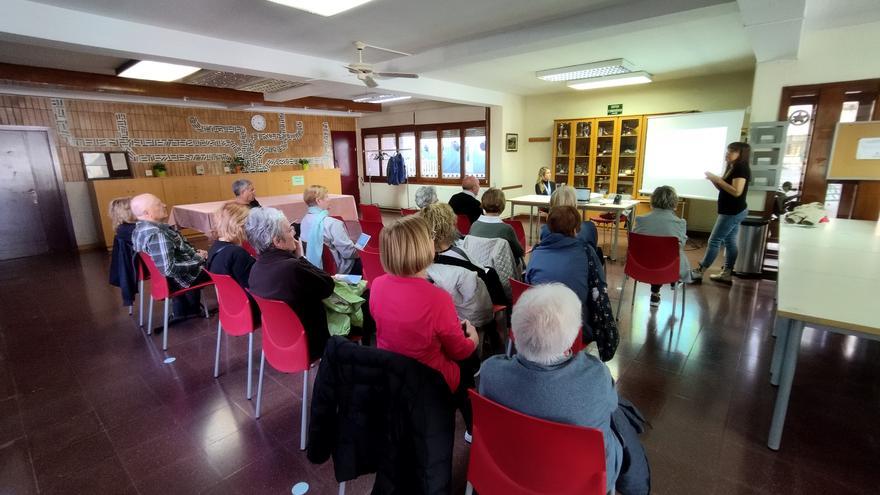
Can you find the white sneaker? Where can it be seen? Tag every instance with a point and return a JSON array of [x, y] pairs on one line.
[[468, 438]]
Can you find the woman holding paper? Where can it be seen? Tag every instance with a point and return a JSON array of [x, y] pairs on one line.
[[319, 229], [732, 187]]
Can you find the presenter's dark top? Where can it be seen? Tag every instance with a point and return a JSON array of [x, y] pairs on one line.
[[727, 203]]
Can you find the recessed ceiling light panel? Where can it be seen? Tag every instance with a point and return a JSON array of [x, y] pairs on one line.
[[640, 77], [586, 71], [325, 8], [380, 98], [156, 71]]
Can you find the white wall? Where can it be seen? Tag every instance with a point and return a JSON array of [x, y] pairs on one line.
[[709, 93], [81, 214], [826, 55]]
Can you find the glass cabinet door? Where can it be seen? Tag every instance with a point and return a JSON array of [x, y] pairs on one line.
[[628, 153], [583, 149], [562, 152], [604, 155]]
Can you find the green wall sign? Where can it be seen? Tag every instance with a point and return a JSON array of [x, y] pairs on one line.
[[298, 180], [615, 109]]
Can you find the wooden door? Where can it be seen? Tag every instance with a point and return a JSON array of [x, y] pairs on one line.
[[345, 159]]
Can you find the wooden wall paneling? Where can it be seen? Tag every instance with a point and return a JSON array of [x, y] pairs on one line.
[[102, 191], [260, 181], [327, 177], [194, 189], [280, 183]]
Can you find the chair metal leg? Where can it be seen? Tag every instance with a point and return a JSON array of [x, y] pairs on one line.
[[150, 318], [509, 347], [130, 309], [620, 301], [304, 422], [205, 306], [674, 299], [342, 488], [469, 490], [260, 383], [165, 325], [141, 297], [632, 303], [250, 371], [217, 352], [683, 297]]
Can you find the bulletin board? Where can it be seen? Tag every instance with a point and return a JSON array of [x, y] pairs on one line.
[[855, 154]]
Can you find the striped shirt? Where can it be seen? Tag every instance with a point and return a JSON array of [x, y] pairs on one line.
[[172, 254]]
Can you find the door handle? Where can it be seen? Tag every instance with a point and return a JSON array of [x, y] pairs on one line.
[[33, 194]]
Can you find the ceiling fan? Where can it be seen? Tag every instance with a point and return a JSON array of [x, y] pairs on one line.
[[364, 71]]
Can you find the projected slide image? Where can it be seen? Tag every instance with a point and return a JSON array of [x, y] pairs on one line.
[[684, 153]]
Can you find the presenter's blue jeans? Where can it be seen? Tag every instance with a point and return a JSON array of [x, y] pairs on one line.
[[724, 232]]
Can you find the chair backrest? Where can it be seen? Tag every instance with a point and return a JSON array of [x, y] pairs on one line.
[[542, 457], [652, 259], [372, 265], [517, 288], [328, 261], [518, 230], [233, 305], [373, 229], [284, 338], [250, 249], [463, 223], [407, 211], [142, 272], [371, 213], [158, 283]]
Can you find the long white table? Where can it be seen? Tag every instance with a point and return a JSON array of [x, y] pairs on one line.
[[200, 216], [828, 276], [540, 201]]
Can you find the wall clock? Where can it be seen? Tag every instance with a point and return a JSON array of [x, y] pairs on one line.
[[258, 122]]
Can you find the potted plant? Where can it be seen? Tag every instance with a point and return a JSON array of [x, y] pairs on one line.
[[237, 165], [159, 170], [304, 163]]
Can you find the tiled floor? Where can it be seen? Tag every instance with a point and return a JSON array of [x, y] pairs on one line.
[[88, 406]]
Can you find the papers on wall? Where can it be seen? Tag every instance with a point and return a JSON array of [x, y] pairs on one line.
[[868, 149]]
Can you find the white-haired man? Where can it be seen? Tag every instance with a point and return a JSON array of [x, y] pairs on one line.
[[176, 258], [546, 381]]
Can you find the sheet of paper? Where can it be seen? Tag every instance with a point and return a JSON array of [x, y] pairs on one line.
[[868, 149]]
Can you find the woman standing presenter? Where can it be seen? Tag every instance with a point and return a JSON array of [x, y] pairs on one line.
[[732, 187]]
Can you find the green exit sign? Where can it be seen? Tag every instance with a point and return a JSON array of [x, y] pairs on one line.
[[615, 109]]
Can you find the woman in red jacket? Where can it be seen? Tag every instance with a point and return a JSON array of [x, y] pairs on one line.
[[417, 319]]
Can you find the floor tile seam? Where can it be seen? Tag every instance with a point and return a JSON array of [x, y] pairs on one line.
[[27, 447]]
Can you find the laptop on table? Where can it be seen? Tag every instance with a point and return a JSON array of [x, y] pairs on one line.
[[582, 194]]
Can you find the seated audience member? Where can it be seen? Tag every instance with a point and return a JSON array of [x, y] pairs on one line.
[[490, 225], [226, 256], [318, 228], [426, 195], [466, 202], [281, 272], [468, 291], [417, 319], [123, 272], [175, 258], [662, 221], [566, 196], [546, 381], [560, 257], [245, 194]]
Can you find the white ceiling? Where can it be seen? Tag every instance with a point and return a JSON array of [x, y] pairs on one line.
[[479, 48]]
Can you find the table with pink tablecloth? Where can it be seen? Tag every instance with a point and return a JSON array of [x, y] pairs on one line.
[[200, 216]]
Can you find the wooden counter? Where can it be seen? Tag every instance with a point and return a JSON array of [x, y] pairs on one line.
[[202, 188]]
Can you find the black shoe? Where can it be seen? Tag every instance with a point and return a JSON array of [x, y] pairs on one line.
[[655, 299]]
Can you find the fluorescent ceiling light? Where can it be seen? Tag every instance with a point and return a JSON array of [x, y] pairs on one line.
[[378, 98], [586, 71], [156, 71], [325, 8], [640, 77]]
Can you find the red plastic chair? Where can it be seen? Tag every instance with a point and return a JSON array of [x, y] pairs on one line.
[[606, 220], [250, 249], [407, 211], [371, 213], [520, 232], [372, 265], [142, 275], [235, 315], [517, 288], [286, 347], [160, 290], [373, 229], [543, 457], [653, 260], [328, 261], [464, 224]]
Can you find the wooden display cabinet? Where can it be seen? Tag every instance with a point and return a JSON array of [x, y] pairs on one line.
[[604, 154]]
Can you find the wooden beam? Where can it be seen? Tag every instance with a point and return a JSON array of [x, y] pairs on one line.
[[102, 83], [539, 139], [319, 102]]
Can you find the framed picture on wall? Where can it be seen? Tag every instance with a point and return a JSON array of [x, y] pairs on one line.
[[106, 165], [512, 142]]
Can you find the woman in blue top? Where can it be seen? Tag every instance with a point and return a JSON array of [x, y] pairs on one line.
[[733, 186]]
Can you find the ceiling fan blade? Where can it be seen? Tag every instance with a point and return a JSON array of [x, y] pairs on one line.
[[370, 82], [397, 74]]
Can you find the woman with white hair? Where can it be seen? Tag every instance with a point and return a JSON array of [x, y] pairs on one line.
[[566, 196], [662, 221], [281, 272], [546, 381], [426, 195]]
